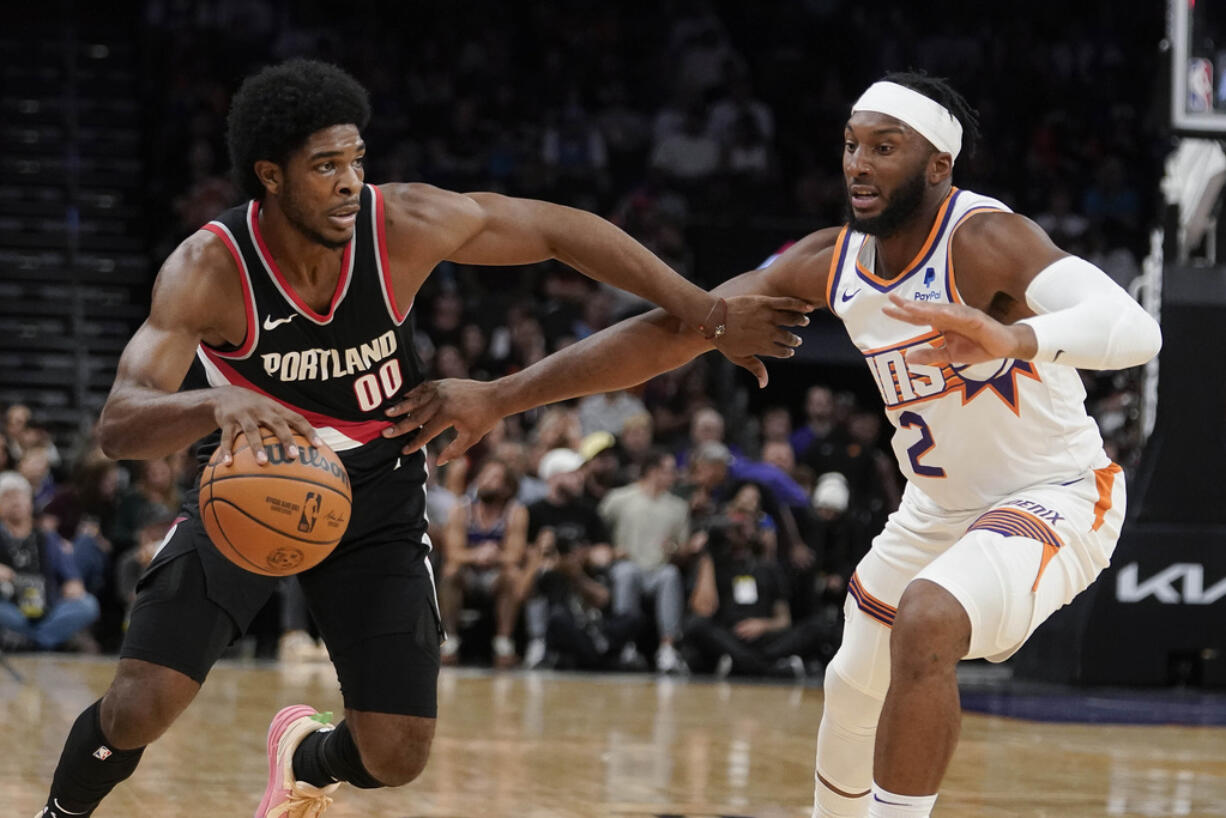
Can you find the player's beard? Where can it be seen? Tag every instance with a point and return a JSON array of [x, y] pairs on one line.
[[898, 210], [296, 214]]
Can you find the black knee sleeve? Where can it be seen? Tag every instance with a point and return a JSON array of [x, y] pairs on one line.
[[89, 766]]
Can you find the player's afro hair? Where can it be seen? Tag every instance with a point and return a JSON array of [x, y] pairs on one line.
[[939, 89], [276, 110]]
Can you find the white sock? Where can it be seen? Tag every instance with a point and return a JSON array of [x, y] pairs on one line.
[[885, 804]]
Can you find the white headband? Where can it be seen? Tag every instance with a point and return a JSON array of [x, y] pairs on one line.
[[932, 119]]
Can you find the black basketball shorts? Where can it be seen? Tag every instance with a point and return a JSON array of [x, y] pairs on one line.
[[374, 603]]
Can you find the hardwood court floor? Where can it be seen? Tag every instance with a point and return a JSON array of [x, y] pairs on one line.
[[547, 746]]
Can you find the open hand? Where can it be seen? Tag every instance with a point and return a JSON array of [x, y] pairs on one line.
[[240, 411], [754, 327], [433, 407], [971, 336]]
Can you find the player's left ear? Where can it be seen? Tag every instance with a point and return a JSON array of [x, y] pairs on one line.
[[940, 166]]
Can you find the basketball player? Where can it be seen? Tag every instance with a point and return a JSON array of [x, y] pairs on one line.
[[972, 324], [293, 309]]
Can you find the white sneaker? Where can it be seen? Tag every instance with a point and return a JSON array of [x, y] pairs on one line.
[[534, 654], [668, 660], [630, 658]]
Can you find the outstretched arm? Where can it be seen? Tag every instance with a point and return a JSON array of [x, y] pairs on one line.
[[621, 356], [491, 229]]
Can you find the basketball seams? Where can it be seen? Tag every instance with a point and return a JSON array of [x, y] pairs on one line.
[[289, 477], [230, 545], [279, 532]]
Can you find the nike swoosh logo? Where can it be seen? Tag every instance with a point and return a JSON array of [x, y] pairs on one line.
[[270, 324], [847, 296], [881, 800], [1056, 357]]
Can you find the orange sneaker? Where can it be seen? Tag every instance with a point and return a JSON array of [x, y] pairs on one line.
[[286, 797]]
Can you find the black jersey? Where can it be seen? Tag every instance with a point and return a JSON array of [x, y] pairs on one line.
[[340, 370]]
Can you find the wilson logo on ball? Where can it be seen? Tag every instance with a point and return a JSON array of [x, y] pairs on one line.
[[307, 456]]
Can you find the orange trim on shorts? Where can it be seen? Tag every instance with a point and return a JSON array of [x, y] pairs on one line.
[[1013, 522], [1105, 479]]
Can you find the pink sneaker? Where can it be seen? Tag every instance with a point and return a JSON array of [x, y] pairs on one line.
[[286, 797]]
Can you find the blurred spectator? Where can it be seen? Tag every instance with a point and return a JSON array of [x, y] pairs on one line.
[[741, 622], [815, 443], [706, 426], [608, 412], [1062, 223], [838, 538], [130, 566], [690, 156], [42, 599], [483, 549], [636, 444], [570, 585], [22, 435], [91, 496], [776, 426], [647, 525], [154, 487], [516, 456], [35, 467], [876, 486], [564, 519], [706, 482], [600, 466], [574, 153], [740, 102]]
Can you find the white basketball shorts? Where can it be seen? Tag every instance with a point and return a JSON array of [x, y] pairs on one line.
[[1010, 565]]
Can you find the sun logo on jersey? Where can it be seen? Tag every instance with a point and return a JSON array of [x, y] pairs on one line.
[[902, 382]]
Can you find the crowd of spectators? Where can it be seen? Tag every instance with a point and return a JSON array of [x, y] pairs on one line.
[[686, 524]]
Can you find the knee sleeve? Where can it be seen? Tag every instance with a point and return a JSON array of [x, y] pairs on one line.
[[855, 685]]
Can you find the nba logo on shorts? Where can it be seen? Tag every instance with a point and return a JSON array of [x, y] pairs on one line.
[[310, 510], [102, 753]]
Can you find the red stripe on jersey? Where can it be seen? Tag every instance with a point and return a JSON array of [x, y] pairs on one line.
[[363, 431], [248, 296], [341, 280], [385, 267]]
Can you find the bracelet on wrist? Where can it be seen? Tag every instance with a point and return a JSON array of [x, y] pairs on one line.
[[713, 326]]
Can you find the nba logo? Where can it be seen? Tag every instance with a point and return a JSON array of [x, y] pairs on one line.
[[1200, 86], [310, 510], [102, 753]]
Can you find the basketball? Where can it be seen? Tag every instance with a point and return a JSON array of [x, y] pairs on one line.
[[280, 518]]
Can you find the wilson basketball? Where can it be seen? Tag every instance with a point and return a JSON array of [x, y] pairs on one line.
[[280, 518]]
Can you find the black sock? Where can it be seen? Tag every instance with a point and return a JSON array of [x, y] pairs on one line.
[[327, 756], [89, 767]]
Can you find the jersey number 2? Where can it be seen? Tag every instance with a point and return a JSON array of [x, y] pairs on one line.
[[372, 390], [913, 421]]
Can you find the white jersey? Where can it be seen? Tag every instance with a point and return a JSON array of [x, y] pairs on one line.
[[966, 436]]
